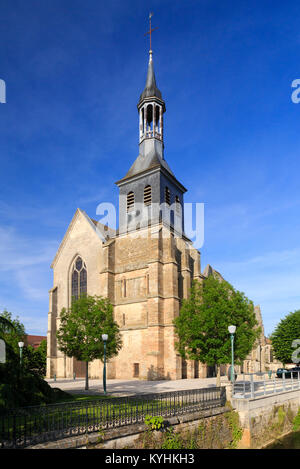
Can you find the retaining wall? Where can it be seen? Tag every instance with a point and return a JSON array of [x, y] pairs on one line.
[[266, 418], [127, 436]]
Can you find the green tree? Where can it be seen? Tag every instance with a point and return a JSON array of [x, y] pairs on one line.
[[34, 359], [202, 325], [81, 329], [21, 386], [283, 336], [11, 330], [5, 324]]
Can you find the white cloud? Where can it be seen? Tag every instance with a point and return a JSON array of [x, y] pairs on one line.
[[25, 265], [276, 259], [271, 279], [18, 252]]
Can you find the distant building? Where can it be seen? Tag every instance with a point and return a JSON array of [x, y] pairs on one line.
[[261, 358], [34, 340]]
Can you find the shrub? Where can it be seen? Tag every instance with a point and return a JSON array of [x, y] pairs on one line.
[[296, 422], [21, 389], [154, 423], [172, 440]]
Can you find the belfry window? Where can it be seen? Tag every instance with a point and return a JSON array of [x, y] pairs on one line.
[[167, 196], [79, 279], [147, 195], [157, 120], [178, 204], [149, 120], [130, 201]]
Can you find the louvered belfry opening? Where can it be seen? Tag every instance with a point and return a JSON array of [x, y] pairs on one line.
[[148, 195], [167, 196], [130, 201]]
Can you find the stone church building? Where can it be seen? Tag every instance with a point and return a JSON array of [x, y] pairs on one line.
[[145, 267]]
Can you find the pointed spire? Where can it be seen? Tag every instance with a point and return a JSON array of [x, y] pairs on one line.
[[151, 89]]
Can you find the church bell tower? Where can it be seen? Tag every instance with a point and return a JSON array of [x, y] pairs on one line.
[[151, 108], [150, 193]]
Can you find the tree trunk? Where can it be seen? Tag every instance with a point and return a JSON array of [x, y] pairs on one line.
[[218, 383], [86, 376]]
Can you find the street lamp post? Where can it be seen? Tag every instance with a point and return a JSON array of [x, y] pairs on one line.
[[104, 338], [21, 345], [232, 330]]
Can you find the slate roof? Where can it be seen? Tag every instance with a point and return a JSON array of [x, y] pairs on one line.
[[151, 89], [147, 162]]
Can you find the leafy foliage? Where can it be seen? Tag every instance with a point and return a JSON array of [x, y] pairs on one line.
[[285, 333], [236, 429], [219, 432], [172, 440], [82, 326], [12, 330], [34, 359], [22, 386], [202, 325], [296, 422], [154, 422]]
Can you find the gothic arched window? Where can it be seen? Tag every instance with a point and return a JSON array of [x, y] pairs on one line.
[[79, 278], [147, 195]]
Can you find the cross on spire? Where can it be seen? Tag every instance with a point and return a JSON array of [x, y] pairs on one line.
[[150, 30]]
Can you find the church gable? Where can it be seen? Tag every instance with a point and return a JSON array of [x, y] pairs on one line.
[[81, 229], [82, 240]]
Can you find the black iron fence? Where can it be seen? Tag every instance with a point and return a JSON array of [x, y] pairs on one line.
[[32, 425]]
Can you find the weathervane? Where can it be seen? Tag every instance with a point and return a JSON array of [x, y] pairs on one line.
[[150, 30]]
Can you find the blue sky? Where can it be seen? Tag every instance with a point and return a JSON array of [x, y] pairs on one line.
[[74, 71]]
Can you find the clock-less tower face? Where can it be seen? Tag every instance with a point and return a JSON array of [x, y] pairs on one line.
[[150, 193]]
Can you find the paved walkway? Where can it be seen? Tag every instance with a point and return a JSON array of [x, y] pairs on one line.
[[120, 387]]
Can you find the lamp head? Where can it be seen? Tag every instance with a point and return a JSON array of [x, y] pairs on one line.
[[21, 344], [232, 329], [104, 337]]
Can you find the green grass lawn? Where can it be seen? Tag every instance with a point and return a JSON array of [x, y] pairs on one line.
[[83, 397]]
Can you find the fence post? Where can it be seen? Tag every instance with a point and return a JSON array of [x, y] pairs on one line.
[[223, 395], [251, 386], [86, 419], [14, 431]]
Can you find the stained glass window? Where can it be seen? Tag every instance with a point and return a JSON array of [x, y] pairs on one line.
[[83, 281], [79, 278]]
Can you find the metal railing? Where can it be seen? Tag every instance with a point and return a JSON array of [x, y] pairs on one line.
[[32, 425], [260, 384]]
